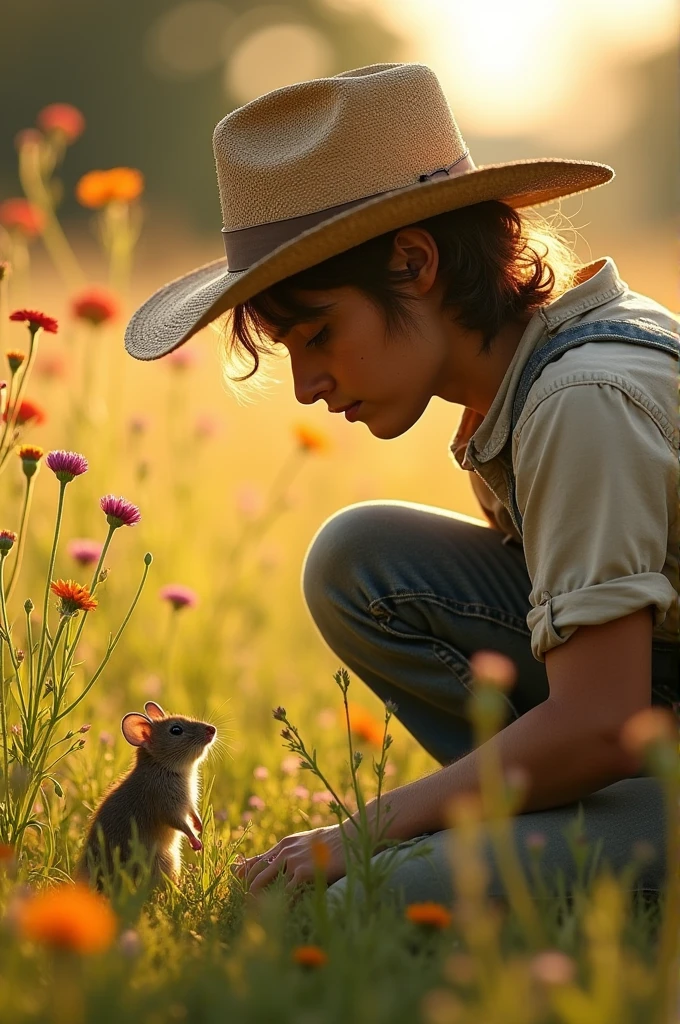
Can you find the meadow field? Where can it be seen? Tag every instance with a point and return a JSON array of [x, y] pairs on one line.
[[199, 608]]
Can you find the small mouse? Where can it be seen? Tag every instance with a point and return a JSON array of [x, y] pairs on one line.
[[160, 792]]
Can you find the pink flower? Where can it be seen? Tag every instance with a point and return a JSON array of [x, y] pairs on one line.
[[66, 465], [179, 596], [324, 797], [290, 765], [206, 425], [260, 772], [119, 511], [257, 803], [63, 118], [85, 551], [301, 792]]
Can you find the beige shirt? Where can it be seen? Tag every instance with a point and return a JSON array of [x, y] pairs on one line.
[[595, 457]]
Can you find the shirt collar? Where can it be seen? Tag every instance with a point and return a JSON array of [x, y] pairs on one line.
[[597, 282]]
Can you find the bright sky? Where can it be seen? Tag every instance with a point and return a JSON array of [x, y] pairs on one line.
[[516, 66]]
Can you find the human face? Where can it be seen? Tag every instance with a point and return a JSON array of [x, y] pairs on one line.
[[346, 356]]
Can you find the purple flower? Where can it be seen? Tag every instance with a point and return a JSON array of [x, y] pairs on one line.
[[119, 512], [66, 465], [85, 552], [179, 596]]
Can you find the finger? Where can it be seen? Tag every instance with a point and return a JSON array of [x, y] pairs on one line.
[[267, 875], [261, 864]]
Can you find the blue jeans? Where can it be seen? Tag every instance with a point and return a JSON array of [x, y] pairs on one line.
[[404, 594]]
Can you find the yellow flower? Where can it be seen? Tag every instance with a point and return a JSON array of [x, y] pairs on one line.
[[432, 915], [310, 439], [119, 184], [69, 917], [309, 956]]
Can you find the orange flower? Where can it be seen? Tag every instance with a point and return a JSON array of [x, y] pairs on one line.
[[310, 439], [491, 668], [30, 451], [364, 726], [321, 854], [74, 597], [21, 216], [69, 917], [119, 184], [63, 118], [15, 358], [6, 854], [309, 956], [432, 915], [651, 725]]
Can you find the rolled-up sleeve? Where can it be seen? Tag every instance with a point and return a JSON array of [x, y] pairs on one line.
[[596, 485]]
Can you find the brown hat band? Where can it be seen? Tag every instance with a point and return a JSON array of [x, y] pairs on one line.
[[246, 246]]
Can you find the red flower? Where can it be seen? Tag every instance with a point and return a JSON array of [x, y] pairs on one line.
[[35, 320], [28, 411], [96, 306], [22, 216], [64, 118]]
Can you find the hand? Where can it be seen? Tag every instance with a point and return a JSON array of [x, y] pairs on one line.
[[296, 858]]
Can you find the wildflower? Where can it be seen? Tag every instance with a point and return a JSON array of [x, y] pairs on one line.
[[279, 714], [309, 439], [23, 217], [27, 412], [493, 669], [290, 764], [84, 551], [536, 841], [119, 184], [322, 797], [257, 803], [364, 725], [182, 358], [66, 466], [19, 654], [301, 792], [74, 597], [30, 455], [553, 968], [69, 917], [7, 540], [50, 365], [35, 320], [14, 359], [27, 137], [6, 854], [309, 956], [432, 915], [260, 772], [85, 728], [651, 725], [62, 119], [119, 512], [179, 596], [321, 854], [96, 306]]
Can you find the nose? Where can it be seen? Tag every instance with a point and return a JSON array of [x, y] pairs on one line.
[[210, 731], [308, 386]]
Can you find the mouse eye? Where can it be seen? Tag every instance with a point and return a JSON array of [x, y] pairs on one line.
[[176, 730]]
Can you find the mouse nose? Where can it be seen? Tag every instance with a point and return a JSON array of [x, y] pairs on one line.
[[210, 730]]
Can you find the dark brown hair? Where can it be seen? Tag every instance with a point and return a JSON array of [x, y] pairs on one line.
[[490, 262]]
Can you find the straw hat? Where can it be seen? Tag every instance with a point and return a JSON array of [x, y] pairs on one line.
[[312, 169]]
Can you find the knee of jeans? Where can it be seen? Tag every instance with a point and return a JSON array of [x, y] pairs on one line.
[[340, 544]]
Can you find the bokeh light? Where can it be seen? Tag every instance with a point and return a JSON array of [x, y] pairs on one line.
[[273, 55], [188, 39]]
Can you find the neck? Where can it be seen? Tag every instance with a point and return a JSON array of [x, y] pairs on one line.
[[471, 379]]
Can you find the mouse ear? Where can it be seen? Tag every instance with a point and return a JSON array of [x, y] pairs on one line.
[[154, 710], [136, 728]]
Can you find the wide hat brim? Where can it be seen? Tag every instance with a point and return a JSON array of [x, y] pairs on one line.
[[181, 308]]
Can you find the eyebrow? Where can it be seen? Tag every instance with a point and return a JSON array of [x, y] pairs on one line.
[[322, 311]]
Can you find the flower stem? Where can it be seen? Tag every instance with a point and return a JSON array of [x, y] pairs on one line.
[[22, 536], [53, 555]]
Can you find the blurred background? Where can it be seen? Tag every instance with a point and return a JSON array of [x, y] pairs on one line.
[[591, 79]]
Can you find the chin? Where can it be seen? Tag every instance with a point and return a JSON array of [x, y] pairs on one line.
[[386, 428]]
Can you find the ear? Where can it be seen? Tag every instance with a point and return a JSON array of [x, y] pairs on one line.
[[415, 249], [154, 710], [136, 728]]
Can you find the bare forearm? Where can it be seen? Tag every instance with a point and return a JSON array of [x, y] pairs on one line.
[[564, 761]]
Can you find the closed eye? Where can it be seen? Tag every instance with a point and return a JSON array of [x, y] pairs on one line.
[[319, 338]]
